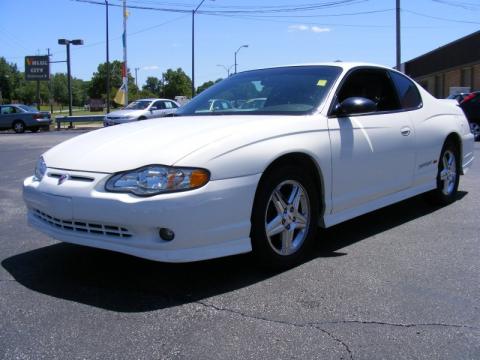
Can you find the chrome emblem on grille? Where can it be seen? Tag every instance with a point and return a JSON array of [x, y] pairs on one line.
[[62, 179]]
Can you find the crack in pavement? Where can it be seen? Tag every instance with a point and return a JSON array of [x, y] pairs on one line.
[[317, 325], [311, 325], [397, 324]]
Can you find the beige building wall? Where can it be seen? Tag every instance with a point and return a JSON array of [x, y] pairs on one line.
[[439, 84]]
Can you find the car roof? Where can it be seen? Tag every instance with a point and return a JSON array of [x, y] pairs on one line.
[[153, 99], [346, 65]]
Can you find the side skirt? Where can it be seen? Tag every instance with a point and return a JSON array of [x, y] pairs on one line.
[[333, 219]]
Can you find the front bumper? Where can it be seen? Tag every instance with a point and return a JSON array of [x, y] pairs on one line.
[[209, 222], [111, 122]]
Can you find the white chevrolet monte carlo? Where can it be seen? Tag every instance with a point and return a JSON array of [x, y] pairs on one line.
[[330, 142]]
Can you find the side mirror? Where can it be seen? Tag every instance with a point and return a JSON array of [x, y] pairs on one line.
[[355, 105]]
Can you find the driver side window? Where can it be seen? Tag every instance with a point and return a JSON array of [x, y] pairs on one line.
[[371, 84]]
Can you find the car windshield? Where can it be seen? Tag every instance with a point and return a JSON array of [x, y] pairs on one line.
[[294, 90], [138, 105], [27, 108]]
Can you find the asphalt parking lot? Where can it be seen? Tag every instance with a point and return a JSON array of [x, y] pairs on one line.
[[400, 283]]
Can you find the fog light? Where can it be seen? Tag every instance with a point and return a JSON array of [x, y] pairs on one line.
[[166, 234]]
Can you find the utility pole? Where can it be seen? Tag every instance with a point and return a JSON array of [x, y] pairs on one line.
[[193, 47], [399, 46], [136, 82], [50, 85], [38, 95], [125, 68], [107, 86]]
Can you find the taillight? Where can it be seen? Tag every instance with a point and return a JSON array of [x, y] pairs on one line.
[[468, 97]]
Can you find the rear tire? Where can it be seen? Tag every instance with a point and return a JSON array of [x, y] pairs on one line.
[[448, 176], [18, 126], [284, 217], [475, 129]]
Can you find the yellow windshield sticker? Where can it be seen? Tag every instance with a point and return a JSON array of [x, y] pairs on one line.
[[322, 82]]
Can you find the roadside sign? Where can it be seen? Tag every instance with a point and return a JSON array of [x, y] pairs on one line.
[[37, 68]]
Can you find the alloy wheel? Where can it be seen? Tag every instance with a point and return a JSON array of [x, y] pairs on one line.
[[287, 217], [448, 175]]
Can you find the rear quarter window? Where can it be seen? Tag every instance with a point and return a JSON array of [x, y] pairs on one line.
[[407, 91]]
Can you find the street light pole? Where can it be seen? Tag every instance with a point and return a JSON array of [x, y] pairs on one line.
[[69, 84], [227, 69], [243, 46], [136, 82], [193, 47], [107, 89]]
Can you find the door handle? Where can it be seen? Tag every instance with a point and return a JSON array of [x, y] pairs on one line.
[[405, 131]]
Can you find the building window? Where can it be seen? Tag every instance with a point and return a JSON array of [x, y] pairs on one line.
[[439, 86], [466, 77]]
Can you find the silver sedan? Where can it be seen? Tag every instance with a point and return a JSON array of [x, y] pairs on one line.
[[141, 110]]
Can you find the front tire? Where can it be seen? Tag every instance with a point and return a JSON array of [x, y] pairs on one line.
[[284, 217], [448, 176]]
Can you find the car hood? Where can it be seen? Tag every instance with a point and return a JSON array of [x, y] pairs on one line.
[[137, 144]]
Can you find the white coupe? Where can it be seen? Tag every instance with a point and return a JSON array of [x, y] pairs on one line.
[[330, 142]]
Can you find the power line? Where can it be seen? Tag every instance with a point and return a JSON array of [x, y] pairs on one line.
[[460, 4], [441, 18], [286, 9], [132, 33], [270, 19]]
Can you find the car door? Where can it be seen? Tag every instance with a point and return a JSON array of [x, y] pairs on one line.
[[8, 115], [3, 118], [159, 109], [373, 154], [173, 107]]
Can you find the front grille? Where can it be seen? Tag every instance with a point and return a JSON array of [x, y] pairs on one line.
[[71, 177], [83, 227]]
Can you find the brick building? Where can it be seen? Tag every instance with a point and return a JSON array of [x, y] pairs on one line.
[[456, 64]]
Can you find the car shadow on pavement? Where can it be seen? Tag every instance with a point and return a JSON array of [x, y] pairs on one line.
[[124, 283]]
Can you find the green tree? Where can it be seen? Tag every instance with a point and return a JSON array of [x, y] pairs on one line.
[[9, 79], [177, 83], [153, 85], [59, 88], [96, 87], [207, 84]]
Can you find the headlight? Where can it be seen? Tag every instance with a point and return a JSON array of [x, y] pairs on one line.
[[157, 179], [40, 169]]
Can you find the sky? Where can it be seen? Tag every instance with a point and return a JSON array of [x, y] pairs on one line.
[[354, 30]]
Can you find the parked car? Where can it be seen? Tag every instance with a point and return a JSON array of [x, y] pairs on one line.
[[253, 104], [141, 110], [471, 107], [22, 117], [212, 105], [332, 141], [458, 97]]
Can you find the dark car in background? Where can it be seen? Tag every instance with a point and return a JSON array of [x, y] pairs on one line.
[[471, 107], [22, 117]]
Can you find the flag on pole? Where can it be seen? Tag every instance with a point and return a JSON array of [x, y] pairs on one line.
[[120, 97]]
